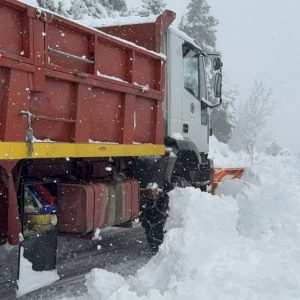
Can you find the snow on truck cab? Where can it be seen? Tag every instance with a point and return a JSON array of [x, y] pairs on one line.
[[96, 127]]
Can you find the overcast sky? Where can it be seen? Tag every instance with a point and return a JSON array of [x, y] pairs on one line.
[[261, 40]]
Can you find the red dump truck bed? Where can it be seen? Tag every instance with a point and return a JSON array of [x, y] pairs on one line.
[[75, 88]]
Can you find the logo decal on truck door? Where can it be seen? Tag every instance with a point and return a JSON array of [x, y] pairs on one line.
[[192, 107]]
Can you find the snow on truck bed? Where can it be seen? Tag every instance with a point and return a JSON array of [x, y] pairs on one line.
[[223, 247]]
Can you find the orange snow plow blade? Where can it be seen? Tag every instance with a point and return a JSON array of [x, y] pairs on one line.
[[222, 174]]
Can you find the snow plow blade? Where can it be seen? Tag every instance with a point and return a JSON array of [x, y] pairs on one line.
[[223, 174]]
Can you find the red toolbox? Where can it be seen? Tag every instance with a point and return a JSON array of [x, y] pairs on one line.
[[75, 208]]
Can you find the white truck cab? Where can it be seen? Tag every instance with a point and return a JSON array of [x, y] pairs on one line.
[[187, 107]]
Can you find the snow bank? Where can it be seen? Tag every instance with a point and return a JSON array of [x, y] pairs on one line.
[[176, 271], [220, 247], [223, 157]]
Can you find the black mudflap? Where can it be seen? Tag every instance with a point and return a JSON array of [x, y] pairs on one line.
[[40, 249], [37, 254], [9, 257]]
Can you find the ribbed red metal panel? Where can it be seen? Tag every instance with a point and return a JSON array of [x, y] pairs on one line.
[[79, 84]]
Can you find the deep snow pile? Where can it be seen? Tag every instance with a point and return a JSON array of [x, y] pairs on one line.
[[226, 158], [181, 268], [224, 247]]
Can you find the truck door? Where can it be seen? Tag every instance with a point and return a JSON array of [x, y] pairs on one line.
[[194, 111]]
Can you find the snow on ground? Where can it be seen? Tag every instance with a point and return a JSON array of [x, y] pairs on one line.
[[224, 157], [223, 247]]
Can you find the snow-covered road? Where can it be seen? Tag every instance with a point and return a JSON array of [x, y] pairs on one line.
[[122, 250], [224, 247], [243, 243]]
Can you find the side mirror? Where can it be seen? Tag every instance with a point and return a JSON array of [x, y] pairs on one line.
[[217, 63], [218, 85]]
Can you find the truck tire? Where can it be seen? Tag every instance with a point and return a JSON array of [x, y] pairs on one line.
[[154, 214], [178, 181], [153, 218]]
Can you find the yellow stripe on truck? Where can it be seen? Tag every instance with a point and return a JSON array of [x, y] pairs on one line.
[[15, 150]]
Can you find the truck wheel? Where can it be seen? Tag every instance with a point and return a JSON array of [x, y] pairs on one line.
[[153, 218], [154, 214], [178, 181]]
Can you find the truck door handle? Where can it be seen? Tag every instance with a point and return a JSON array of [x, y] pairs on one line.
[[185, 128]]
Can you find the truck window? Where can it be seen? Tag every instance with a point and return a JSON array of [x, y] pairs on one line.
[[191, 71]]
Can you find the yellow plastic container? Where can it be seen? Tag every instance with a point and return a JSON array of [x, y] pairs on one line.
[[36, 227], [35, 219]]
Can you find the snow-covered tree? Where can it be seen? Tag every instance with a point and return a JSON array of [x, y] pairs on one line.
[[48, 4], [274, 148], [92, 8], [118, 5], [55, 6], [199, 24], [77, 9], [152, 7], [252, 118]]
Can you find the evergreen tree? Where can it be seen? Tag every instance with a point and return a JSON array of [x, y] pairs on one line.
[[152, 7], [80, 8], [118, 5], [198, 24], [48, 4], [98, 9], [92, 8], [57, 7], [61, 10]]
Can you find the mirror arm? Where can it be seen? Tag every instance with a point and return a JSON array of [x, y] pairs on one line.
[[209, 104]]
